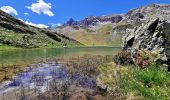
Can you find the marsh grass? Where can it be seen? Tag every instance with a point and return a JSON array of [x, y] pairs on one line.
[[110, 76], [87, 65]]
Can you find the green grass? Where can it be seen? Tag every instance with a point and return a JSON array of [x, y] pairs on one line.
[[37, 40], [7, 47], [107, 74], [152, 83]]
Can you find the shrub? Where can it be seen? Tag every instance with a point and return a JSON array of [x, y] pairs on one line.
[[142, 58], [123, 58]]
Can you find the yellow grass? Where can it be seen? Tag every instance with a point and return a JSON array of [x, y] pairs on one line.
[[102, 37]]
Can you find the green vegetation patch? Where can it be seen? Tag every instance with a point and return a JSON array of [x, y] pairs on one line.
[[152, 83], [7, 47], [107, 74], [10, 39]]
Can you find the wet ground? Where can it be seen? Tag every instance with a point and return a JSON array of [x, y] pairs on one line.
[[39, 78]]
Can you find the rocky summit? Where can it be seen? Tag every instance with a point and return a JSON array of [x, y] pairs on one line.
[[93, 21]]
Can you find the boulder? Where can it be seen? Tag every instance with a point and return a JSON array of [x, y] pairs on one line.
[[150, 36]]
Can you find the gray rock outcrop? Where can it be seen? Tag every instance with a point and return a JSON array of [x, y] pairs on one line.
[[150, 36]]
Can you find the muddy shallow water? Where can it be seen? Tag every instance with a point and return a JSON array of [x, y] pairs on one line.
[[39, 77], [52, 79]]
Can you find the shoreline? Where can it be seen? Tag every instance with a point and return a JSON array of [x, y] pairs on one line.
[[17, 48]]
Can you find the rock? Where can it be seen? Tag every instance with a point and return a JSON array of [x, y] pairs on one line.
[[79, 93], [98, 97], [79, 96], [101, 87], [151, 36], [145, 37], [71, 21]]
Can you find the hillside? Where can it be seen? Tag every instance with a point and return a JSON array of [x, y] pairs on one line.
[[15, 33], [93, 30]]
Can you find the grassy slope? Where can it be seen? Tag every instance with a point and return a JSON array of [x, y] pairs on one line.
[[102, 37], [152, 83], [40, 40], [7, 47]]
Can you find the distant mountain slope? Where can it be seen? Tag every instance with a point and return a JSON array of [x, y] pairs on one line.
[[93, 30], [16, 33], [88, 30]]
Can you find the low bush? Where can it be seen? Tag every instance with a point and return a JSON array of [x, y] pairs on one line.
[[123, 58]]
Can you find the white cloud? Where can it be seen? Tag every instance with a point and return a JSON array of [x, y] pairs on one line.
[[33, 24], [59, 24], [37, 25], [41, 7], [54, 25], [9, 10], [26, 14]]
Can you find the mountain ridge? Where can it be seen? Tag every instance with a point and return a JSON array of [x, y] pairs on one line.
[[119, 23]]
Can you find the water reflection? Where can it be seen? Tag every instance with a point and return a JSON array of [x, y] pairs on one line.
[[38, 76], [20, 56]]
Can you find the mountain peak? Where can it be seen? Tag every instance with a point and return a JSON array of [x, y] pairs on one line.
[[94, 20]]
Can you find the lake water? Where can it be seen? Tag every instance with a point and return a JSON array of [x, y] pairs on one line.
[[33, 55], [38, 76]]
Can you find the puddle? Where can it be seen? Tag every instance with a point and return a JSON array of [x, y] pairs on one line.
[[38, 76]]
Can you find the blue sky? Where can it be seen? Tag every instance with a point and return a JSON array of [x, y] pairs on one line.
[[50, 12]]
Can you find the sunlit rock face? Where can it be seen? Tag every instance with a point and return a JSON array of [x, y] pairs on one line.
[[147, 28], [151, 36]]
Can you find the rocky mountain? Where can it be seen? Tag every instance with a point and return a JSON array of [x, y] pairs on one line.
[[93, 30], [93, 21], [120, 24], [161, 11], [145, 28], [16, 33]]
